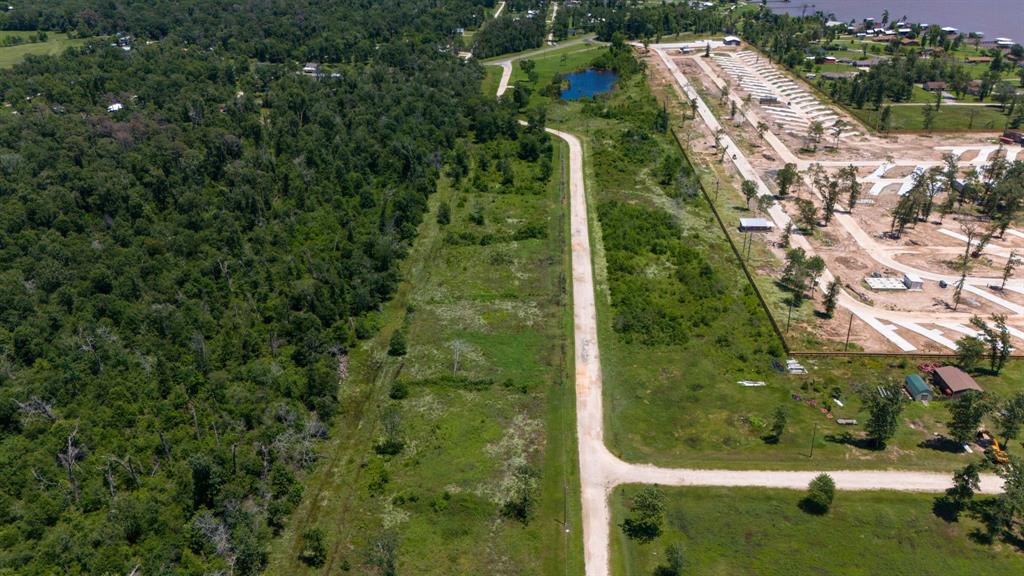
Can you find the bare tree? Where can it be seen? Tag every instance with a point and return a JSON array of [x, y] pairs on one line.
[[70, 456], [36, 407]]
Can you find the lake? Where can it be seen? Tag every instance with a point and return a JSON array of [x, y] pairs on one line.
[[996, 18], [588, 83]]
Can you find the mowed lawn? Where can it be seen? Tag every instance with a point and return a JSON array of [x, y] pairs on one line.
[[761, 532], [948, 119], [55, 44]]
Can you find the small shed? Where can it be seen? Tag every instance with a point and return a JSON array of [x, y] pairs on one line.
[[954, 381], [755, 225], [731, 41], [913, 281], [934, 86], [917, 388]]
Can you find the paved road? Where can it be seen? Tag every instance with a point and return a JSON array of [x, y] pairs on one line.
[[501, 6]]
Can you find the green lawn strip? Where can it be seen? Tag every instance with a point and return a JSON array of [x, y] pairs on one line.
[[466, 438], [525, 52], [752, 531], [492, 78], [55, 44], [947, 119]]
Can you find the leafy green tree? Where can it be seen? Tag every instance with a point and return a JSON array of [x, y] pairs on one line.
[[675, 561], [966, 482], [779, 417], [884, 409], [1010, 417], [885, 119], [647, 513], [928, 113], [969, 351], [965, 414], [749, 189], [786, 177], [808, 214], [831, 298]]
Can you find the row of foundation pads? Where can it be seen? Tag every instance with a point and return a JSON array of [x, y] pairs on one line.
[[796, 108], [944, 334], [878, 182]]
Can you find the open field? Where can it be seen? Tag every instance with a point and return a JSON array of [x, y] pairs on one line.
[[485, 473], [55, 44], [947, 119], [746, 531]]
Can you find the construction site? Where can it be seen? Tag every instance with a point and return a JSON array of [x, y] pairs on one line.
[[912, 290]]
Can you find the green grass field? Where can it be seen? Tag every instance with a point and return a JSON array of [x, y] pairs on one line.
[[55, 44], [487, 408], [748, 531], [948, 118]]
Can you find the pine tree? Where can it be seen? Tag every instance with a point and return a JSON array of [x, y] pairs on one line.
[[832, 298]]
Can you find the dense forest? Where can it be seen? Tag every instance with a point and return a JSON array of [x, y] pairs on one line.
[[193, 234]]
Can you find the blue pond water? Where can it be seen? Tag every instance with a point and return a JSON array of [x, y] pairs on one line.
[[588, 83]]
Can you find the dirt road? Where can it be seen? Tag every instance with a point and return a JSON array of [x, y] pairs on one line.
[[506, 63], [601, 471]]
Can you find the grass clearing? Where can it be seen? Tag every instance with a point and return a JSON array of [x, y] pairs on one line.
[[482, 401], [55, 44], [865, 533], [949, 118]]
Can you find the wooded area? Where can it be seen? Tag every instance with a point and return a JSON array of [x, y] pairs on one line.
[[193, 234]]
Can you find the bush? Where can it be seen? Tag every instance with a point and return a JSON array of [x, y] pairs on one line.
[[396, 346], [820, 492], [314, 551], [444, 214]]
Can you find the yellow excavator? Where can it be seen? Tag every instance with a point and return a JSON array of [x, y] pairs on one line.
[[992, 446]]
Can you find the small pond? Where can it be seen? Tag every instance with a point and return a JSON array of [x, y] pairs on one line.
[[588, 83]]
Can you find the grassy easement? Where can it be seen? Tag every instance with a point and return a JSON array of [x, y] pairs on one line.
[[749, 531], [55, 44], [503, 419]]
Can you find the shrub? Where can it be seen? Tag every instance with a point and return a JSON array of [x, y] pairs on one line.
[[820, 492]]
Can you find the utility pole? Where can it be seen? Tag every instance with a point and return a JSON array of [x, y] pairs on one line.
[[848, 329], [814, 436], [789, 317]]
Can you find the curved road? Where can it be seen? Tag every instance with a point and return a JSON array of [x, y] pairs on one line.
[[506, 63]]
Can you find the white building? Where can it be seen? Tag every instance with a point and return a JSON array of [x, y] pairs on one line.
[[913, 282], [115, 107], [731, 41]]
